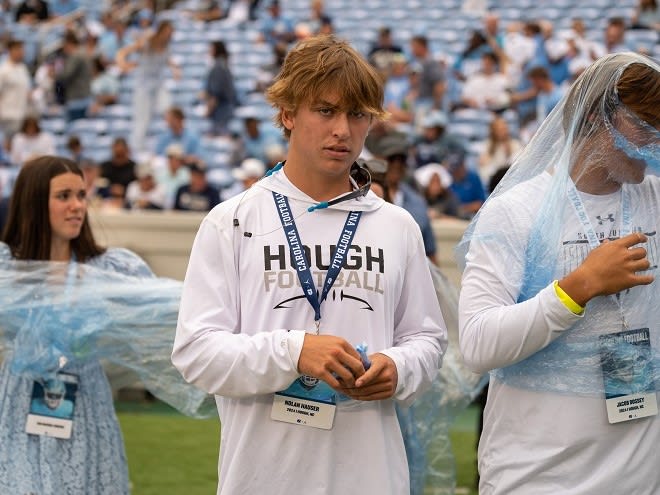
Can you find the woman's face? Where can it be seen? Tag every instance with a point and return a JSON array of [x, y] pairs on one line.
[[67, 206]]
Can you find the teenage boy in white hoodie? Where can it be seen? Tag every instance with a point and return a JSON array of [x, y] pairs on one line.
[[288, 280]]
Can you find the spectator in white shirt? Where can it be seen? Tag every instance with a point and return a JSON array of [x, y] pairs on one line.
[[488, 88], [15, 85], [145, 193], [31, 142]]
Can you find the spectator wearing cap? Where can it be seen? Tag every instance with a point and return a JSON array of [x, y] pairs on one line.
[[178, 133], [145, 193], [466, 185], [174, 175], [435, 143], [198, 195], [381, 135], [119, 170], [220, 93], [434, 181], [404, 195], [274, 153], [245, 175]]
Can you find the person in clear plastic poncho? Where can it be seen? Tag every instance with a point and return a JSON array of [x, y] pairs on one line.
[[66, 304], [559, 299]]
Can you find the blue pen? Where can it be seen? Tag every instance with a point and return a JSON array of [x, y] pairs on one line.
[[362, 351]]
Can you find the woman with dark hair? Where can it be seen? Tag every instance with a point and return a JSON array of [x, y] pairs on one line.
[[559, 295], [47, 221], [64, 305], [59, 230]]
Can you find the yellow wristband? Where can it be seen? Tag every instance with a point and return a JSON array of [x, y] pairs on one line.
[[567, 300]]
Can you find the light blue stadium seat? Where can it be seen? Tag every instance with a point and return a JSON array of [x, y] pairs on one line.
[[220, 177], [472, 115], [119, 111], [642, 38], [469, 131], [120, 127], [55, 125], [90, 126]]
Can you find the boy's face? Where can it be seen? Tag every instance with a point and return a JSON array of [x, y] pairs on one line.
[[326, 138]]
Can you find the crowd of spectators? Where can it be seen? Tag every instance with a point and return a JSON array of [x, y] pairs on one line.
[[457, 121]]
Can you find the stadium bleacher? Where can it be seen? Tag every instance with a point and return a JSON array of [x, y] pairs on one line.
[[444, 22]]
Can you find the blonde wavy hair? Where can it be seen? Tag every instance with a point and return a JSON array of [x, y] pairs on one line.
[[322, 65]]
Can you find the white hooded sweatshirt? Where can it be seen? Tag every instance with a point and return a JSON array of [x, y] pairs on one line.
[[242, 323]]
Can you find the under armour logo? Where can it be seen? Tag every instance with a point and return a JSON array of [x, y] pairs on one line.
[[609, 217]]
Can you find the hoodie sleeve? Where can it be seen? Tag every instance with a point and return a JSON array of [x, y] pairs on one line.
[[208, 349], [420, 333]]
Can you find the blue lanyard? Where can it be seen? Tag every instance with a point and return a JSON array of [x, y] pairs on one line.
[[300, 260], [626, 228], [581, 212]]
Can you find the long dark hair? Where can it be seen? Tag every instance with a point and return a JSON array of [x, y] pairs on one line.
[[28, 231]]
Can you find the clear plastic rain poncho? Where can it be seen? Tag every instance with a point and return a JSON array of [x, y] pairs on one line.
[[54, 315], [425, 425], [561, 199]]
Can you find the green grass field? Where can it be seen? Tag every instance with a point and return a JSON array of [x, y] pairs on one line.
[[170, 454]]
